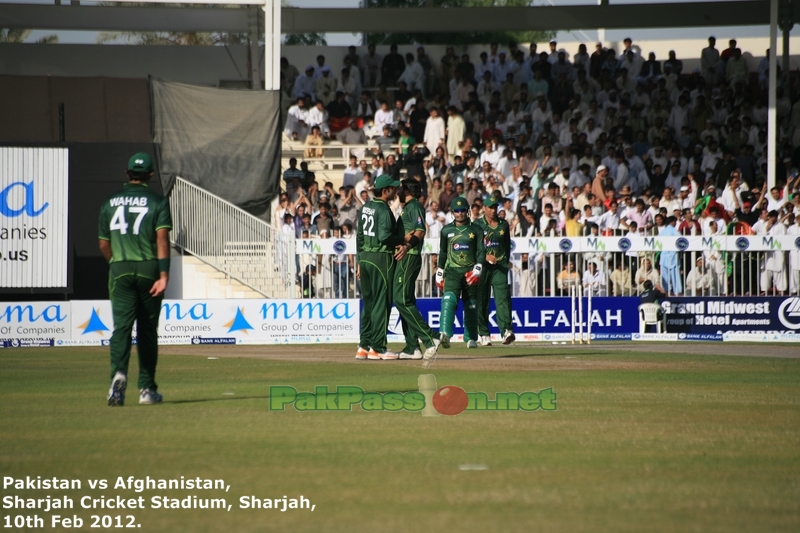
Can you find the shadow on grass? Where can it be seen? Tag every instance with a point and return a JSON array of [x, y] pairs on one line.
[[266, 397]]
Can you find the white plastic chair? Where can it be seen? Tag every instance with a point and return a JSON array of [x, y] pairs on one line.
[[648, 315]]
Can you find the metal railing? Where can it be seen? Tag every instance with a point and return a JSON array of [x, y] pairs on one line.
[[720, 266], [233, 241]]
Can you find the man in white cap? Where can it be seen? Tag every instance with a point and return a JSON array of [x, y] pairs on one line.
[[599, 183], [305, 84]]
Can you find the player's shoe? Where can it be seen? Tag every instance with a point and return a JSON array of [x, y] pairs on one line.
[[444, 340], [149, 397], [361, 353], [485, 340], [385, 356], [116, 394], [416, 355], [509, 337], [431, 352], [472, 344]]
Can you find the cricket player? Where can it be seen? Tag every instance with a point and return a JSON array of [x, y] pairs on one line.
[[461, 254], [380, 242], [415, 327], [134, 238], [497, 242]]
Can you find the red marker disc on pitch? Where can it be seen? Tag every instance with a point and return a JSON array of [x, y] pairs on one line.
[[450, 400]]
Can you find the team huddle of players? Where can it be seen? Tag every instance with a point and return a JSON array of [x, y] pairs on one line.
[[472, 262]]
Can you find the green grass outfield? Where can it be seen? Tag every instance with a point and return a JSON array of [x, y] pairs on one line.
[[639, 442]]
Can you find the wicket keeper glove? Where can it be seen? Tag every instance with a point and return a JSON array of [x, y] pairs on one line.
[[440, 279], [474, 275]]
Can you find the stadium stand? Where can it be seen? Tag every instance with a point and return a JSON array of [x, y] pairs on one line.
[[604, 144]]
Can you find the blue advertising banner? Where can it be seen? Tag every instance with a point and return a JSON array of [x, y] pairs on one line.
[[719, 315], [612, 318]]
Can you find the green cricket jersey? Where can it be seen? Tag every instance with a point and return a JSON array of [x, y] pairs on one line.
[[413, 219], [130, 220], [461, 246], [378, 231], [496, 240]]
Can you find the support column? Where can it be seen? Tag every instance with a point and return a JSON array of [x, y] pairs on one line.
[[772, 113], [272, 45], [252, 35]]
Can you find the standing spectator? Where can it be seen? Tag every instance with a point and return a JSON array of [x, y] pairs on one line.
[[709, 62], [434, 131], [456, 128], [371, 65]]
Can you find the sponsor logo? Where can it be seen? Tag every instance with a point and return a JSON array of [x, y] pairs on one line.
[[624, 244], [239, 322], [596, 244], [178, 311], [26, 313], [700, 337], [537, 245], [26, 343], [773, 244], [458, 246], [214, 340], [797, 243], [307, 310], [565, 245], [789, 313], [611, 336], [339, 247], [654, 336], [309, 246], [682, 243], [742, 243], [94, 324], [18, 198], [653, 244], [514, 244], [710, 243]]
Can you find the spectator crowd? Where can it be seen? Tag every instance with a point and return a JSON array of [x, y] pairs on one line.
[[607, 143]]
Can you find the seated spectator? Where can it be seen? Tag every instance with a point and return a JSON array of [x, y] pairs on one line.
[[647, 273], [567, 278], [594, 280], [318, 116], [353, 135], [700, 281], [316, 140], [297, 121], [339, 113], [621, 280]]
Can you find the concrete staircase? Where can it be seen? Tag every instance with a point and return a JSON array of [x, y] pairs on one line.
[[203, 282]]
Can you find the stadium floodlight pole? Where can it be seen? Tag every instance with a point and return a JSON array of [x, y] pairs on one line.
[[772, 111]]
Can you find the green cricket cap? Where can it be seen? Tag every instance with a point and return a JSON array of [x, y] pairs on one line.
[[491, 201], [385, 180], [140, 162], [459, 204]]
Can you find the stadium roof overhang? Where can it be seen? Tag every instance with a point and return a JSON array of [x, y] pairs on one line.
[[422, 19]]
